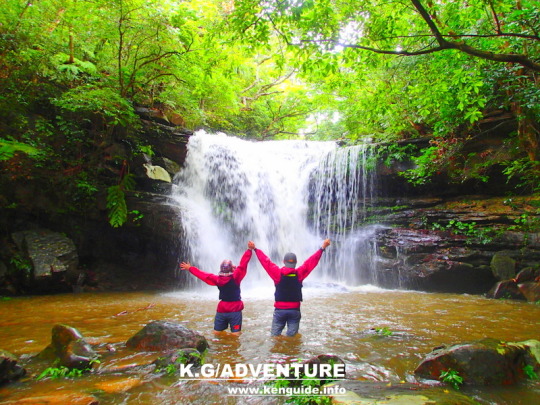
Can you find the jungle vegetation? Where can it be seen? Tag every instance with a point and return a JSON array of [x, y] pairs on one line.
[[73, 71]]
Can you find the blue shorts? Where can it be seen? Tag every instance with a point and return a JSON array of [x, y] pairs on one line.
[[223, 320], [289, 317]]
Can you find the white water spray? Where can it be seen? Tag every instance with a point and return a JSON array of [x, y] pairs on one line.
[[286, 196]]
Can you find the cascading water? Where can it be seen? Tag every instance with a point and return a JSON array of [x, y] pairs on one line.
[[286, 196], [341, 194]]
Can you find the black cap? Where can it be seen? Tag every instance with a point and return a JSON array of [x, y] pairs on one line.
[[290, 260]]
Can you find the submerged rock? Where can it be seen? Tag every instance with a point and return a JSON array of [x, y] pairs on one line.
[[119, 385], [375, 393], [178, 357], [483, 362], [161, 335], [58, 397], [9, 369]]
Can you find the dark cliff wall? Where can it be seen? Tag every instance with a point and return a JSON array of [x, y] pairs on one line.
[[440, 236], [143, 253]]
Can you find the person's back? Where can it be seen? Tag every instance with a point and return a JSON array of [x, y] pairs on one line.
[[230, 306], [288, 282]]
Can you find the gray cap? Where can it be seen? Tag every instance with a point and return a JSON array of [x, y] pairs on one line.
[[290, 260]]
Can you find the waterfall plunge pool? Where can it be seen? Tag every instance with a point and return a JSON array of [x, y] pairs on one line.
[[286, 196], [335, 321]]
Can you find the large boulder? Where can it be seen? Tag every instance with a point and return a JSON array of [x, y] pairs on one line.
[[483, 362], [503, 266], [9, 369], [53, 255], [528, 274], [68, 348], [530, 290], [507, 289], [162, 336]]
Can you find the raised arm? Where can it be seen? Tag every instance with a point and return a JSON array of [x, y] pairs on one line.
[[273, 270], [241, 270], [307, 267], [210, 279]]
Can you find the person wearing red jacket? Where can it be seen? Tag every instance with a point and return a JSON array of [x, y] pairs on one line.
[[288, 281], [229, 309]]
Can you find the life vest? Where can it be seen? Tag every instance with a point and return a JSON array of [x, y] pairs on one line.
[[230, 291], [289, 288]]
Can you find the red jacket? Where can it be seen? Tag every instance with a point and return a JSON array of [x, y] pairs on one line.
[[275, 272], [213, 279]]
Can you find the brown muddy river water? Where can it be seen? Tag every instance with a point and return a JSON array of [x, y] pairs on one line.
[[334, 321]]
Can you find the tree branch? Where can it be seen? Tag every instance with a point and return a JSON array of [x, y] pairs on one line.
[[461, 46], [445, 44]]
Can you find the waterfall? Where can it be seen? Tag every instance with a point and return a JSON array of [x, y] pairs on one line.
[[341, 195], [286, 196]]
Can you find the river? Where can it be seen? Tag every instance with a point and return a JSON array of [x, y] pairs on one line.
[[335, 321]]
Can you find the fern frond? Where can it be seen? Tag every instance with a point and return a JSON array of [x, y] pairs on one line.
[[116, 205]]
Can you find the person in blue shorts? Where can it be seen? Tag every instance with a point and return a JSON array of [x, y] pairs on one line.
[[230, 306]]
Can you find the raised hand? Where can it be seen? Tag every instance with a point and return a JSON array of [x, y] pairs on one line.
[[185, 265]]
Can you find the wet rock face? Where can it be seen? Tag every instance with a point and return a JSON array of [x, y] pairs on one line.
[[483, 362], [431, 261], [462, 245], [162, 336]]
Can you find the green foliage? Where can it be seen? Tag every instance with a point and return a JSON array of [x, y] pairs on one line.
[[469, 229], [60, 372], [184, 358], [526, 222], [116, 206], [21, 264], [425, 166], [525, 172], [9, 148], [104, 104], [302, 382], [384, 331], [136, 215], [393, 152], [65, 372], [72, 72], [116, 201], [147, 150], [530, 373], [452, 378]]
